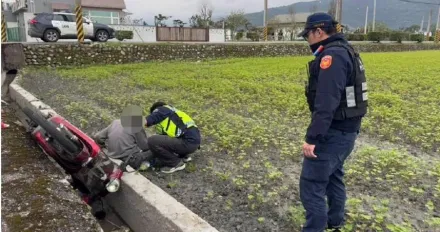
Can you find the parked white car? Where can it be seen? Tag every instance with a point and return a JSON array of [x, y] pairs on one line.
[[50, 27]]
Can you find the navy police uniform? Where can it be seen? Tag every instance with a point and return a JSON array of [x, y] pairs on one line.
[[177, 134], [336, 93]]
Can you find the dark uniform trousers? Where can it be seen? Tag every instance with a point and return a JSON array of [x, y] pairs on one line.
[[168, 151], [324, 176]]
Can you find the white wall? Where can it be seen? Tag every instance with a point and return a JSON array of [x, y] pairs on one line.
[[216, 35], [11, 24], [148, 33], [144, 34], [140, 33]]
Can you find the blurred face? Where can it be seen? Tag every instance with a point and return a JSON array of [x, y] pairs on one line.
[[315, 36], [132, 119]]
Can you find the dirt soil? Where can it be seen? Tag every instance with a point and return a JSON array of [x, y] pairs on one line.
[[223, 204], [35, 196]]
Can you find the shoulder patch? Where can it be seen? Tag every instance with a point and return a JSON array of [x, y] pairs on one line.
[[326, 62]]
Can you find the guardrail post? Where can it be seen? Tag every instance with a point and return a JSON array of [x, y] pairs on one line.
[[338, 28], [4, 29], [437, 37], [79, 22]]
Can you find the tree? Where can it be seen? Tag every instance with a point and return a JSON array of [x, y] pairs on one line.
[[158, 20], [292, 13], [219, 23], [378, 27], [332, 8], [204, 16], [138, 21], [178, 23], [412, 28], [132, 21], [254, 33], [236, 19], [432, 30], [313, 8]]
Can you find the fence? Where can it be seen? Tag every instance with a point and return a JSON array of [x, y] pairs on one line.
[[13, 34], [182, 34]]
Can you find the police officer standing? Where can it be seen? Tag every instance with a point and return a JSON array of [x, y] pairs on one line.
[[337, 98]]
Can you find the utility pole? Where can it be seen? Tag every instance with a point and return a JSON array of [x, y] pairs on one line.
[[429, 25], [265, 20], [438, 19], [338, 15], [366, 21], [340, 12], [374, 15], [79, 22]]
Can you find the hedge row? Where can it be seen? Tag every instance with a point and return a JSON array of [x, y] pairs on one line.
[[121, 35], [388, 36]]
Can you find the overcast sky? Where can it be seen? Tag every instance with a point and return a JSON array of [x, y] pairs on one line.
[[183, 9]]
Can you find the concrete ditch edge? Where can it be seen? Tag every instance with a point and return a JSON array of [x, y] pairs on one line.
[[140, 203]]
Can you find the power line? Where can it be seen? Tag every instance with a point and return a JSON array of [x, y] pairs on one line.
[[419, 2]]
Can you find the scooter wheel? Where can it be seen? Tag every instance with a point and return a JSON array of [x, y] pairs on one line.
[[98, 210]]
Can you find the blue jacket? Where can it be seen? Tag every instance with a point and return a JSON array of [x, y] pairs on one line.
[[330, 86], [192, 135]]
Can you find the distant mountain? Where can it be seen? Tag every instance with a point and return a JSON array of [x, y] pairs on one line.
[[394, 13]]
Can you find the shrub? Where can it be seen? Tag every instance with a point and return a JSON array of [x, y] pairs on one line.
[[417, 37], [121, 35], [397, 36], [254, 36], [239, 35], [376, 36], [356, 37]]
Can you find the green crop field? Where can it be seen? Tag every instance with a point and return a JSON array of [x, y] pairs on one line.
[[253, 115]]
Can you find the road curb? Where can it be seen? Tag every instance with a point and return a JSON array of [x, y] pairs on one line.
[[140, 203]]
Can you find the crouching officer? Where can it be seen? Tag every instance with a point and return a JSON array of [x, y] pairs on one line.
[[177, 137], [337, 98]]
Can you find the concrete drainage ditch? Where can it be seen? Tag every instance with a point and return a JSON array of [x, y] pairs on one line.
[[35, 195], [142, 205]]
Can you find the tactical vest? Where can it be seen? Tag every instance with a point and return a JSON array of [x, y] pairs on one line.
[[176, 124], [354, 99]]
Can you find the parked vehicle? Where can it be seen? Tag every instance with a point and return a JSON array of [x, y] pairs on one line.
[[92, 172], [50, 27]]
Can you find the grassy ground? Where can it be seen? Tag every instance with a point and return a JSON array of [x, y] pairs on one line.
[[253, 116]]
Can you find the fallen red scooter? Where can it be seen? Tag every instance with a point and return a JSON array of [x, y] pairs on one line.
[[92, 172]]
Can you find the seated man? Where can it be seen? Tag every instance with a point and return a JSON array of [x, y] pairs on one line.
[[178, 136], [127, 139]]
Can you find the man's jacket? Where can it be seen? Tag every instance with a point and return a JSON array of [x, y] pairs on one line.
[[121, 143]]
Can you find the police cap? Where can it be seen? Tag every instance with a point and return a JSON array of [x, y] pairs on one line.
[[317, 20]]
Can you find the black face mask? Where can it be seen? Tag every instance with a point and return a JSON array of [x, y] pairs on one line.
[[332, 38], [315, 46]]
